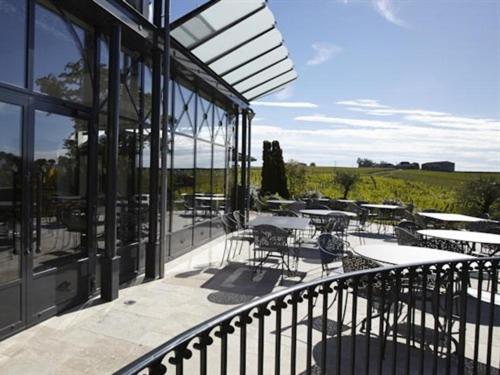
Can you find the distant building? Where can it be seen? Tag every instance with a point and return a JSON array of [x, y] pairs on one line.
[[440, 166], [408, 165]]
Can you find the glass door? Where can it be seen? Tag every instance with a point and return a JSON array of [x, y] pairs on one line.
[[59, 271], [12, 286]]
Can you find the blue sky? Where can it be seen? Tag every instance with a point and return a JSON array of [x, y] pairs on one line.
[[415, 80]]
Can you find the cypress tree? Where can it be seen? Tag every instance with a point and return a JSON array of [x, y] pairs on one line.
[[279, 175], [267, 171]]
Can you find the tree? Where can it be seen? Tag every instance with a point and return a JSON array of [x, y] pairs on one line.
[[366, 163], [296, 174], [478, 196], [266, 185], [273, 174], [313, 164], [346, 181], [281, 186]]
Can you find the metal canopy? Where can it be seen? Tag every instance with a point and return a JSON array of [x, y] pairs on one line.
[[239, 41]]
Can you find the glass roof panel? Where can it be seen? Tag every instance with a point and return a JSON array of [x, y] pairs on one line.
[[213, 19], [267, 74], [238, 37], [252, 49], [271, 85], [238, 34], [256, 65]]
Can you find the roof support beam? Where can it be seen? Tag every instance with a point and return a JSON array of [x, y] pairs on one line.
[[238, 46], [259, 71], [250, 60], [226, 28], [267, 80], [274, 88]]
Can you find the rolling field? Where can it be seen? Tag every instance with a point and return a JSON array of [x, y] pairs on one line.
[[424, 189]]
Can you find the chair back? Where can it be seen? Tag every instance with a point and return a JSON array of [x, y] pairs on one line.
[[341, 221], [227, 223], [296, 206], [405, 237], [484, 226], [410, 226], [353, 263], [238, 219], [270, 237], [331, 247], [287, 213]]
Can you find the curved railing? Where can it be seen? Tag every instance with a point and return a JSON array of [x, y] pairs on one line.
[[421, 318]]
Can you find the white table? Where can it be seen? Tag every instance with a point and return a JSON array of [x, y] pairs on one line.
[[219, 199], [457, 218], [382, 206], [277, 201], [284, 222], [319, 212], [396, 255], [462, 235]]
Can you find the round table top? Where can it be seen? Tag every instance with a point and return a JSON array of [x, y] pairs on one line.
[[382, 206], [319, 212], [210, 198], [277, 201], [395, 254], [442, 216], [462, 235]]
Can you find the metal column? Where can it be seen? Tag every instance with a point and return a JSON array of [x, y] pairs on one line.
[[165, 139], [242, 189], [251, 115], [234, 197], [153, 249], [111, 261]]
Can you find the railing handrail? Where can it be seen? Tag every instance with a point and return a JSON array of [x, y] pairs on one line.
[[185, 337]]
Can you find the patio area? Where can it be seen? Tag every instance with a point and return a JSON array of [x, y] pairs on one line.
[[99, 338]]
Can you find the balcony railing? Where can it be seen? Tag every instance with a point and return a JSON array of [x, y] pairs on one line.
[[416, 319]]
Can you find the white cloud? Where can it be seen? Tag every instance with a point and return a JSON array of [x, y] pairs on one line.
[[363, 103], [323, 52], [348, 121], [285, 104], [285, 93], [386, 9]]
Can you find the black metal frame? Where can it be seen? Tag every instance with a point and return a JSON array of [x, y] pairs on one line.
[[437, 291]]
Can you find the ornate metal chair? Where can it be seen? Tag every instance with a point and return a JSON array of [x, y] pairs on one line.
[[407, 238], [271, 241], [332, 249], [233, 237]]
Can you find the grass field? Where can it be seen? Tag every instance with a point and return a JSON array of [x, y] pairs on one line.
[[424, 189]]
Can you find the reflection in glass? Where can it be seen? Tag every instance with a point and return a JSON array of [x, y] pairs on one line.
[[59, 190], [219, 178], [12, 41], [10, 191], [205, 119], [203, 190], [184, 110], [183, 182], [60, 69]]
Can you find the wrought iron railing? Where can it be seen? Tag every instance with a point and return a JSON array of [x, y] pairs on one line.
[[420, 319]]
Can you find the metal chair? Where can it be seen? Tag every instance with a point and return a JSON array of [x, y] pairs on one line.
[[228, 224], [272, 241], [331, 249], [410, 226], [406, 238], [340, 224]]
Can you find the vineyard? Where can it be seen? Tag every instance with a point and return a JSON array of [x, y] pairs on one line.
[[424, 189]]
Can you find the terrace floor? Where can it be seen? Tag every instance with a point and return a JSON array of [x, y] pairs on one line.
[[99, 338]]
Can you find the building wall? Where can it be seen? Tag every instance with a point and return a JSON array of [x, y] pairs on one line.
[[54, 160]]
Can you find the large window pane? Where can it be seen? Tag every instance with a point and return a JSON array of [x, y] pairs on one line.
[[59, 189], [60, 68], [13, 41], [183, 182], [184, 110], [10, 191], [219, 179], [203, 191]]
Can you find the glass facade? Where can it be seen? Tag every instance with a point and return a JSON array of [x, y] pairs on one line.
[[58, 231]]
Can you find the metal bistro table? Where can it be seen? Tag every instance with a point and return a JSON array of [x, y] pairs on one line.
[[385, 213], [398, 255], [464, 237], [319, 212], [449, 220], [284, 222]]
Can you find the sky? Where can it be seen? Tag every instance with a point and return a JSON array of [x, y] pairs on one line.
[[388, 80]]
